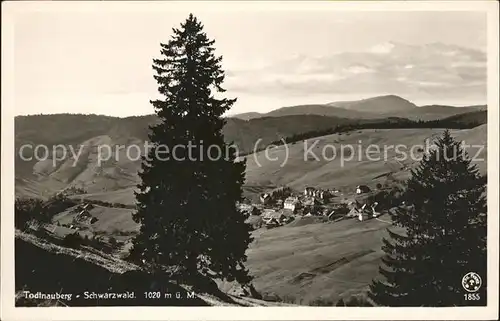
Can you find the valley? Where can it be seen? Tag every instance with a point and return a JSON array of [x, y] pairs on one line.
[[312, 260]]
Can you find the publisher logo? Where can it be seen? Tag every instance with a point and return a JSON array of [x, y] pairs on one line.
[[471, 282]]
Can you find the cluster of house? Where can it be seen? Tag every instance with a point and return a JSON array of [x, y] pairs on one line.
[[272, 218], [363, 211], [83, 215], [278, 207]]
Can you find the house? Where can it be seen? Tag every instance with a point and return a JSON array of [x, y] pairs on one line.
[[265, 198], [364, 212], [375, 212], [88, 206], [311, 202], [81, 216], [361, 189], [355, 208], [354, 212], [249, 209], [309, 191], [292, 203], [325, 194], [273, 215], [272, 223]]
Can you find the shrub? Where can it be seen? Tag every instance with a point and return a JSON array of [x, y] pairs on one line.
[[27, 210], [73, 240], [58, 203], [112, 241], [387, 198]]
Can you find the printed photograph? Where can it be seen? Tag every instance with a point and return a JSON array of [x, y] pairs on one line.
[[250, 158]]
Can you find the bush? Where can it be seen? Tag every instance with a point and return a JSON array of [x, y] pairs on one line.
[[387, 198], [57, 204], [73, 240], [112, 241], [27, 210]]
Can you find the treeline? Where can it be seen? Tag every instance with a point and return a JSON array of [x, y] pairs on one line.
[[389, 123], [110, 204], [29, 210]]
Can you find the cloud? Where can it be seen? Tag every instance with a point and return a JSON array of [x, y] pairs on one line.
[[437, 70]]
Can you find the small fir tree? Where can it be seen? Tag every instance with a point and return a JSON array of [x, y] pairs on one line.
[[444, 234]]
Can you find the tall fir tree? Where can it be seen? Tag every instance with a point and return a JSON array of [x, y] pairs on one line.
[[191, 180], [443, 234]]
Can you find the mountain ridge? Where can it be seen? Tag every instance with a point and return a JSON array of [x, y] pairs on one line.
[[369, 108]]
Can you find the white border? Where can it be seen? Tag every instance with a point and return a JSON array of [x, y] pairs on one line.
[[9, 312]]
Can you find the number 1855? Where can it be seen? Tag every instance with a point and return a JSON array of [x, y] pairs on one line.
[[472, 296]]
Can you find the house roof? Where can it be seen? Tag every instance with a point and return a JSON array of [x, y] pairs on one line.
[[273, 215], [292, 200]]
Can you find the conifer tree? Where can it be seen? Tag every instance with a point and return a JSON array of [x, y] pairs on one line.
[[191, 180], [442, 234]]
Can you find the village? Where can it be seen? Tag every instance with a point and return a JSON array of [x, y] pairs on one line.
[[282, 205]]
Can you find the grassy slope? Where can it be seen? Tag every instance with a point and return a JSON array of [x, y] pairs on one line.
[[317, 261], [264, 173], [116, 178], [73, 271], [109, 219], [297, 173]]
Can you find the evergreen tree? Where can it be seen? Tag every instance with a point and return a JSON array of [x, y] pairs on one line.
[[191, 181], [442, 233]]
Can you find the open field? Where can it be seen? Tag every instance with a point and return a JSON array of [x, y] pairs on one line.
[[109, 219], [323, 261]]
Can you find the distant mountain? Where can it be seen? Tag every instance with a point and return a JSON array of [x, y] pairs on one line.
[[247, 116], [379, 105], [245, 134], [432, 112], [371, 108], [322, 110]]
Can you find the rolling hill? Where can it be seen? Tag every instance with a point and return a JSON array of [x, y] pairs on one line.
[[372, 108], [114, 180], [247, 116], [85, 133], [322, 110], [293, 166], [380, 104]]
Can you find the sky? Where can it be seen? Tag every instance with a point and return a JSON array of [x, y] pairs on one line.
[[91, 62]]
